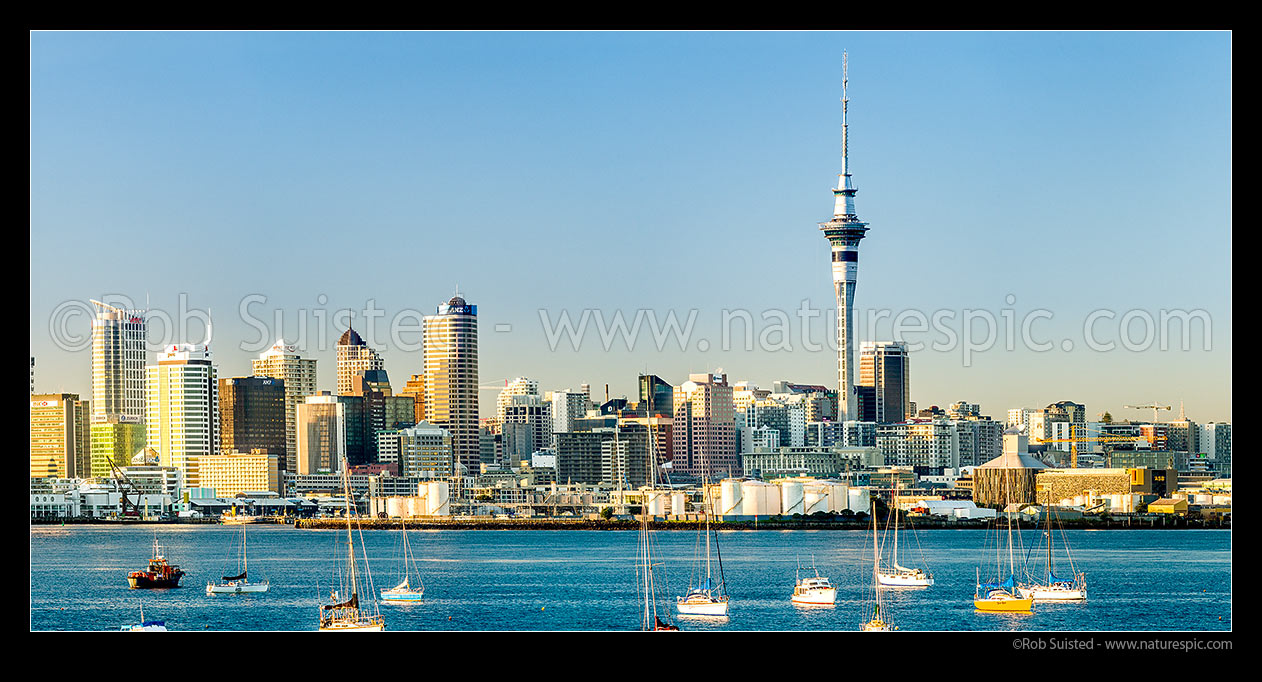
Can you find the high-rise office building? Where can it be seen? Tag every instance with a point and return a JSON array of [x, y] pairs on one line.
[[415, 388], [657, 396], [59, 436], [424, 451], [182, 408], [844, 232], [353, 355], [451, 379], [566, 407], [252, 416], [115, 439], [330, 428], [118, 362], [381, 410], [704, 428], [283, 362], [516, 387], [884, 366], [526, 426]]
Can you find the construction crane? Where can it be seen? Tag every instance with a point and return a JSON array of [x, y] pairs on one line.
[[1073, 441], [1154, 407]]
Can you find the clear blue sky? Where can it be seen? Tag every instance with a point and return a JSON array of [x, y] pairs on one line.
[[664, 171]]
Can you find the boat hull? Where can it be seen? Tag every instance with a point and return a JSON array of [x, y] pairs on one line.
[[246, 588], [412, 597], [354, 627], [148, 582], [904, 580], [1004, 605], [816, 598], [876, 626], [712, 608], [159, 626], [1044, 593]]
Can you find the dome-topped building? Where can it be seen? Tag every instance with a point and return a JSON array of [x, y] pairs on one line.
[[353, 355], [351, 338]]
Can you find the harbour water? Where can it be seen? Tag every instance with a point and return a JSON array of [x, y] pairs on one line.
[[1145, 580]]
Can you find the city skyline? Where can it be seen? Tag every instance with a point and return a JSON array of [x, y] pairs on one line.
[[1101, 232]]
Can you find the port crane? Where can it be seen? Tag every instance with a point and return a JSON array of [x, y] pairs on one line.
[[130, 509], [1152, 406], [1074, 440]]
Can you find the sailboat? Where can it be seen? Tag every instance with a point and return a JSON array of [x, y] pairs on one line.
[[239, 583], [1051, 587], [817, 591], [876, 624], [901, 576], [145, 625], [1001, 596], [347, 615], [705, 599], [650, 620], [405, 591]]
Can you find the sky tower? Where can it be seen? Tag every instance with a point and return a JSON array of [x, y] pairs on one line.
[[844, 232]]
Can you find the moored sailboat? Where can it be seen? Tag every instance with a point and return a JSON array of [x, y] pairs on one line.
[[348, 615], [145, 625], [877, 622], [1049, 586], [239, 583], [650, 618], [1001, 596], [901, 576], [705, 599], [406, 592]]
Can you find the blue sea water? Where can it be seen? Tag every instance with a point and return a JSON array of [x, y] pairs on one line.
[[585, 580]]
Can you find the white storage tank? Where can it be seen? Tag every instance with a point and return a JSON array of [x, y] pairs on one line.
[[838, 496], [436, 500], [416, 506], [814, 498], [656, 502], [678, 504], [394, 507], [791, 500], [859, 500], [759, 499], [731, 497]]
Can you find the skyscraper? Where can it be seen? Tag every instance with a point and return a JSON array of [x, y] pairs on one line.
[[182, 408], [704, 428], [415, 388], [330, 427], [118, 362], [252, 416], [451, 378], [353, 355], [844, 232], [59, 436], [282, 361], [883, 365], [656, 395]]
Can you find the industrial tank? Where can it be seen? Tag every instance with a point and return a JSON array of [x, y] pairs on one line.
[[656, 502], [678, 504], [791, 499], [731, 497], [416, 506], [814, 498], [760, 499], [436, 501], [394, 507]]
